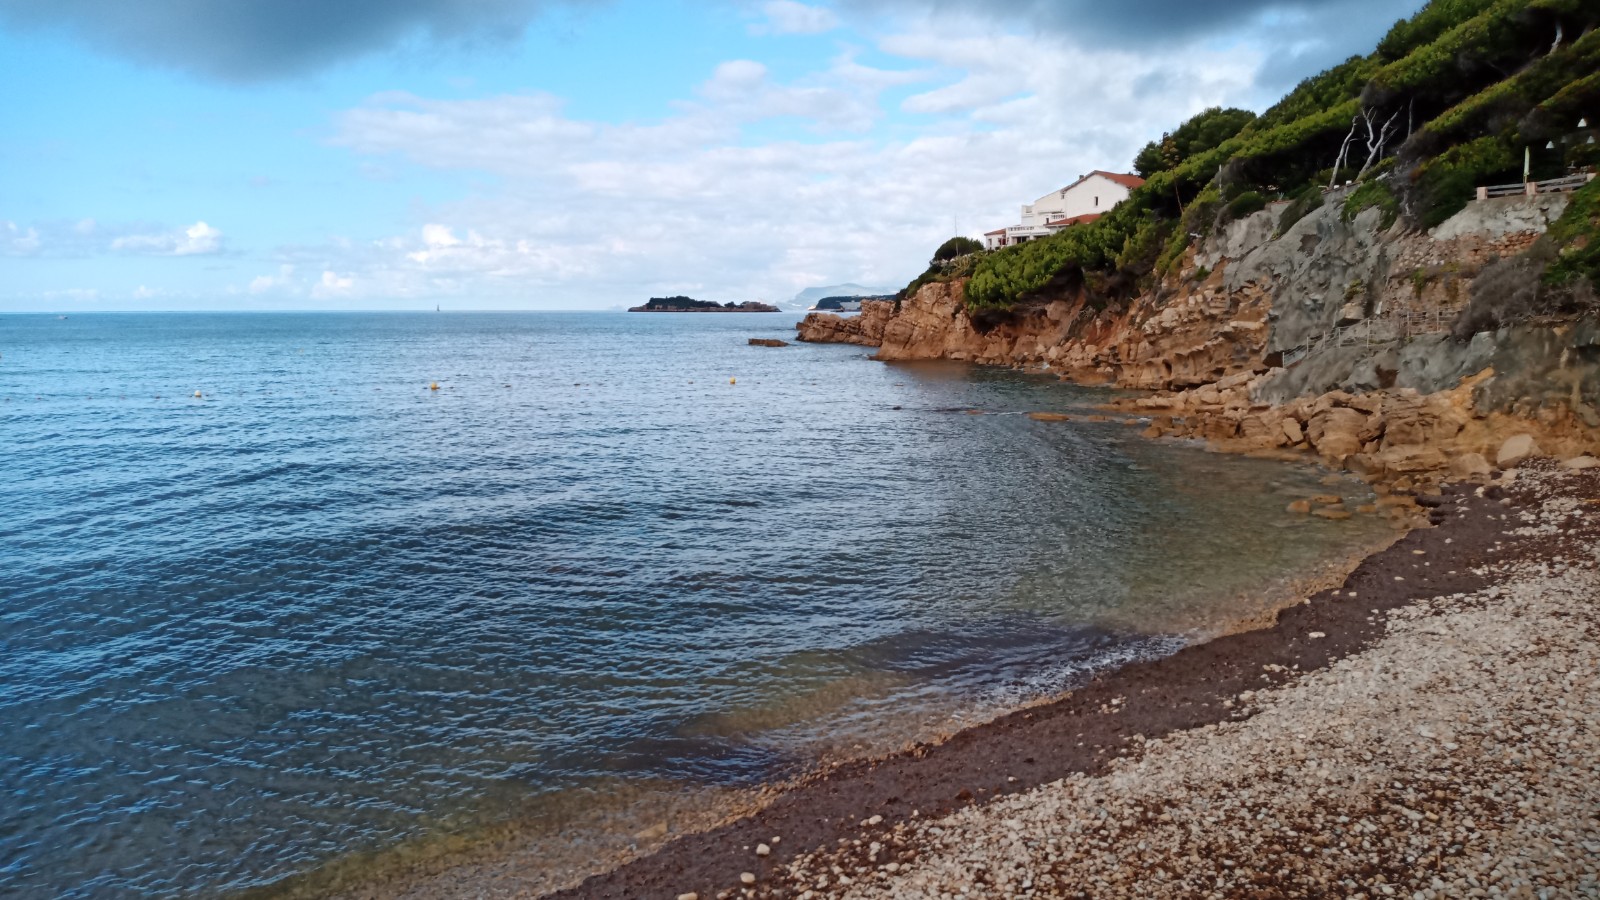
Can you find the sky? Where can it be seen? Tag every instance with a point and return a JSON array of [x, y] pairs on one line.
[[540, 154]]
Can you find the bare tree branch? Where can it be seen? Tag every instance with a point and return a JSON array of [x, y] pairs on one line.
[[1376, 139], [1344, 149]]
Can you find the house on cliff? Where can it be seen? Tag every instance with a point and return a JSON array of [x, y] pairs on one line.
[[1082, 201]]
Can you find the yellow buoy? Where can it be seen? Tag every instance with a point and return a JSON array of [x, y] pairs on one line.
[[733, 381], [433, 386]]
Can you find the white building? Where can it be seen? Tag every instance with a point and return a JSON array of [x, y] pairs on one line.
[[1082, 201]]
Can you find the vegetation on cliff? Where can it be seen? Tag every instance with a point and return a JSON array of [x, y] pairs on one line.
[[1452, 98]]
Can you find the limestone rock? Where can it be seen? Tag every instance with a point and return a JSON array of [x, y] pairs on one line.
[[1582, 462], [1292, 431], [1412, 458], [1337, 432], [1516, 450], [1470, 464]]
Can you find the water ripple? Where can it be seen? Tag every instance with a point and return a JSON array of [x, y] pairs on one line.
[[322, 609]]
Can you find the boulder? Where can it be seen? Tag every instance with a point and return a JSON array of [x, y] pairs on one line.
[[1516, 450], [1582, 462], [1331, 512], [1420, 420], [1292, 431], [1411, 458], [1049, 417], [768, 342], [1336, 432], [1261, 431], [1469, 464], [1300, 506]]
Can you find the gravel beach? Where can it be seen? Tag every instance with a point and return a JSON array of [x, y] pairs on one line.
[[1426, 729], [1457, 757]]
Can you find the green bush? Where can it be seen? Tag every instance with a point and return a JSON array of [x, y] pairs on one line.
[[1308, 200], [1477, 77], [1203, 132], [1247, 203], [956, 246], [1425, 27], [1446, 184], [1373, 192], [1576, 238]]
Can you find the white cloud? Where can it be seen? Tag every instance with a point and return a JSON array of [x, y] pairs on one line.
[[722, 197], [20, 241], [198, 239], [789, 17], [73, 294], [262, 284], [333, 285]]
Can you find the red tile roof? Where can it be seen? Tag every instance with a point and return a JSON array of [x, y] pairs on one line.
[[1128, 181], [996, 231]]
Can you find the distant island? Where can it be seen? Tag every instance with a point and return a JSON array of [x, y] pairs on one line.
[[689, 304]]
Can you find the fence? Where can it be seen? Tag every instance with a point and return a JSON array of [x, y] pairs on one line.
[[1392, 325], [1533, 188]]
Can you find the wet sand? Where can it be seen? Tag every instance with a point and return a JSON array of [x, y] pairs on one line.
[[1083, 733]]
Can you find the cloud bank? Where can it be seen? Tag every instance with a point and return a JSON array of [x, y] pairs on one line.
[[258, 40]]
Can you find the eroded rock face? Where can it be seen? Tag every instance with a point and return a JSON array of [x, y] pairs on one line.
[[865, 328], [1373, 381]]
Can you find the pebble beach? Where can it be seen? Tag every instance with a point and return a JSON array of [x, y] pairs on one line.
[[1459, 756], [1426, 729]]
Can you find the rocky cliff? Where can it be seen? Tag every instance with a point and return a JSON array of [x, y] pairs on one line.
[[1329, 334]]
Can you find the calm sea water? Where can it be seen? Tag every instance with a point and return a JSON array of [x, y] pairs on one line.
[[324, 610]]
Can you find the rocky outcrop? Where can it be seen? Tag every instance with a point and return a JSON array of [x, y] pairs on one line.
[[1328, 337], [865, 329]]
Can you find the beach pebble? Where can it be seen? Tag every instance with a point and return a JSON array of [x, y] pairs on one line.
[[747, 878], [689, 896], [1463, 745], [763, 850]]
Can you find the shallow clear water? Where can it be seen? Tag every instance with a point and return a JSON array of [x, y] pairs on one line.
[[323, 609]]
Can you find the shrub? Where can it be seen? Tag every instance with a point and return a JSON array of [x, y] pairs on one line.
[[1203, 132], [1575, 238], [1425, 27], [1505, 291], [956, 246], [1308, 200], [1373, 192], [1445, 184], [1247, 203]]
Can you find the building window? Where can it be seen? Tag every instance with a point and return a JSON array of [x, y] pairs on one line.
[[1097, 201]]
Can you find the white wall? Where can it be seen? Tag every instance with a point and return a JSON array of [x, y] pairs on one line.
[[1095, 194]]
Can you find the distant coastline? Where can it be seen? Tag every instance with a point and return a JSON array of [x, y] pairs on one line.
[[689, 304]]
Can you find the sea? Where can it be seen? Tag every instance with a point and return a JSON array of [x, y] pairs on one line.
[[288, 596]]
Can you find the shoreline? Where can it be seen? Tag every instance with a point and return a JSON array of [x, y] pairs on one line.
[[520, 866], [1085, 733]]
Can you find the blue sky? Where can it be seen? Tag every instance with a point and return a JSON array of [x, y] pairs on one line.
[[524, 154]]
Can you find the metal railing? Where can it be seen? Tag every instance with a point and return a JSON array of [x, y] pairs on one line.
[[1392, 325]]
